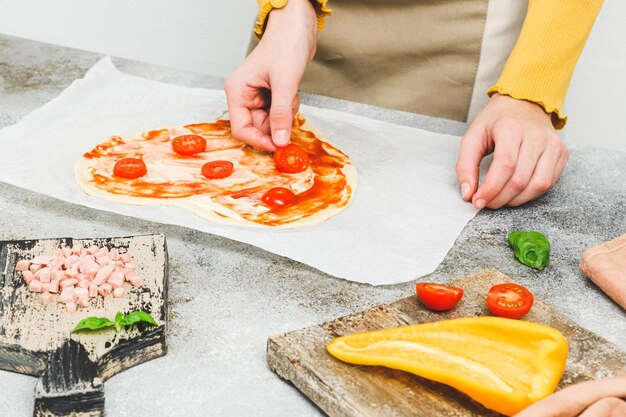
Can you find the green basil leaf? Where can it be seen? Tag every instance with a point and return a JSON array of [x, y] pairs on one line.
[[93, 323], [136, 317], [530, 248], [118, 321]]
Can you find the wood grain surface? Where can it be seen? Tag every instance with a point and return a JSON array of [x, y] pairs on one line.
[[72, 367], [345, 390]]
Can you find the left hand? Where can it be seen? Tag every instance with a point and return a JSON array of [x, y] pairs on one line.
[[528, 158]]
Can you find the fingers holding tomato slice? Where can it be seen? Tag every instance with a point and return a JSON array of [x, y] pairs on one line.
[[217, 169], [509, 300], [438, 297], [188, 145], [291, 159], [130, 168], [278, 197]]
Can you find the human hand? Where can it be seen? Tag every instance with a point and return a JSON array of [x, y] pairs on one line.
[[528, 158], [262, 93]]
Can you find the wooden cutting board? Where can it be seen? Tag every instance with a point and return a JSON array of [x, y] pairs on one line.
[[72, 367], [345, 390]]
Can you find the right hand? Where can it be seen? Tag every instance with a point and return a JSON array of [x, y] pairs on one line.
[[262, 93]]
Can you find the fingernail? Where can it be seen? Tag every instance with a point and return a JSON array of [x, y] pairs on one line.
[[480, 204], [281, 137], [465, 189]]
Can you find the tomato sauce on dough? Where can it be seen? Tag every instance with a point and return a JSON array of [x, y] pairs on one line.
[[321, 186]]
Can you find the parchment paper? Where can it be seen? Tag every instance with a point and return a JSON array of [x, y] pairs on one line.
[[406, 214]]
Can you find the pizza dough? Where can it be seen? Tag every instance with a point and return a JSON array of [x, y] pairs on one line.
[[324, 189]]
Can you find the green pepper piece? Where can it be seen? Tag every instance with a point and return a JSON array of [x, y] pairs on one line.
[[530, 248]]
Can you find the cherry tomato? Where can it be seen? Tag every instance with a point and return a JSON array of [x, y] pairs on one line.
[[130, 168], [189, 144], [291, 159], [438, 297], [509, 300], [278, 197], [217, 169]]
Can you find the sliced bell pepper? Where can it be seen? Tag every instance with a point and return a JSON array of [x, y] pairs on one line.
[[504, 364]]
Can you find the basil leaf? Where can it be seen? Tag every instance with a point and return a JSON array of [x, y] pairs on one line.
[[93, 323], [118, 321], [530, 248], [136, 317]]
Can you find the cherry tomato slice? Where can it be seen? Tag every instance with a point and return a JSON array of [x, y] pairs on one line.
[[217, 169], [278, 197], [509, 300], [438, 297], [188, 145], [130, 168], [291, 159]]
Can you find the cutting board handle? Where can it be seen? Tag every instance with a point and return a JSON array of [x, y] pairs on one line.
[[69, 386]]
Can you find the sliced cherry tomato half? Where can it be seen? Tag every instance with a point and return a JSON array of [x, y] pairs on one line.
[[130, 168], [188, 145], [278, 197], [438, 297], [291, 159], [509, 300], [217, 169]]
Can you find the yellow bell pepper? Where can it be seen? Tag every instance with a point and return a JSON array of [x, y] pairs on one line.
[[504, 364]]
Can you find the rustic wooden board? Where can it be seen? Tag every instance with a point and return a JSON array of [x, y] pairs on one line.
[[345, 390], [72, 367]]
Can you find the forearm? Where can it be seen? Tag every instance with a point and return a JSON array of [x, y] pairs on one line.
[[541, 65]]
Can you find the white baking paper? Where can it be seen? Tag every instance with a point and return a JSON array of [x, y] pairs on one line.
[[406, 214]]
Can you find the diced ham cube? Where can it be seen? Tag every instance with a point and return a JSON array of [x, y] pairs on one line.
[[104, 251], [53, 287], [92, 267], [44, 275], [93, 290], [104, 289], [104, 260], [114, 254], [125, 257], [46, 298], [41, 260], [71, 307], [129, 265], [92, 249], [81, 292], [130, 274], [28, 276], [83, 301], [83, 283], [103, 274], [34, 268], [70, 261], [35, 285], [71, 273], [67, 295], [58, 275], [44, 287], [22, 265], [68, 283], [136, 281], [76, 249], [118, 292], [116, 281]]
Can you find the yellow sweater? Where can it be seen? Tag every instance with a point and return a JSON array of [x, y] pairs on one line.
[[542, 62]]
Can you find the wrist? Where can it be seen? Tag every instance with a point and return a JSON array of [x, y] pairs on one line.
[[296, 13]]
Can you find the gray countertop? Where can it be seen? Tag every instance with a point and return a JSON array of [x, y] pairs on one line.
[[227, 297]]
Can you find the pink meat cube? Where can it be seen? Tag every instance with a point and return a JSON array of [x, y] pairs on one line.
[[130, 274], [53, 287], [118, 292], [70, 261], [67, 251], [71, 273], [104, 289], [136, 281], [68, 283], [83, 301], [103, 274], [34, 268], [114, 254], [76, 249], [58, 275], [129, 265], [81, 292], [67, 295], [116, 281], [41, 260], [92, 249], [44, 275], [28, 276], [125, 257], [83, 283], [93, 290], [35, 285], [104, 251], [44, 287], [46, 298], [104, 260], [71, 307], [22, 265]]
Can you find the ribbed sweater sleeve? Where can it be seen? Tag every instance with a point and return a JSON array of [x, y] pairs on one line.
[[266, 6]]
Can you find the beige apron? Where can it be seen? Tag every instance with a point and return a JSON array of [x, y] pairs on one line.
[[433, 57]]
